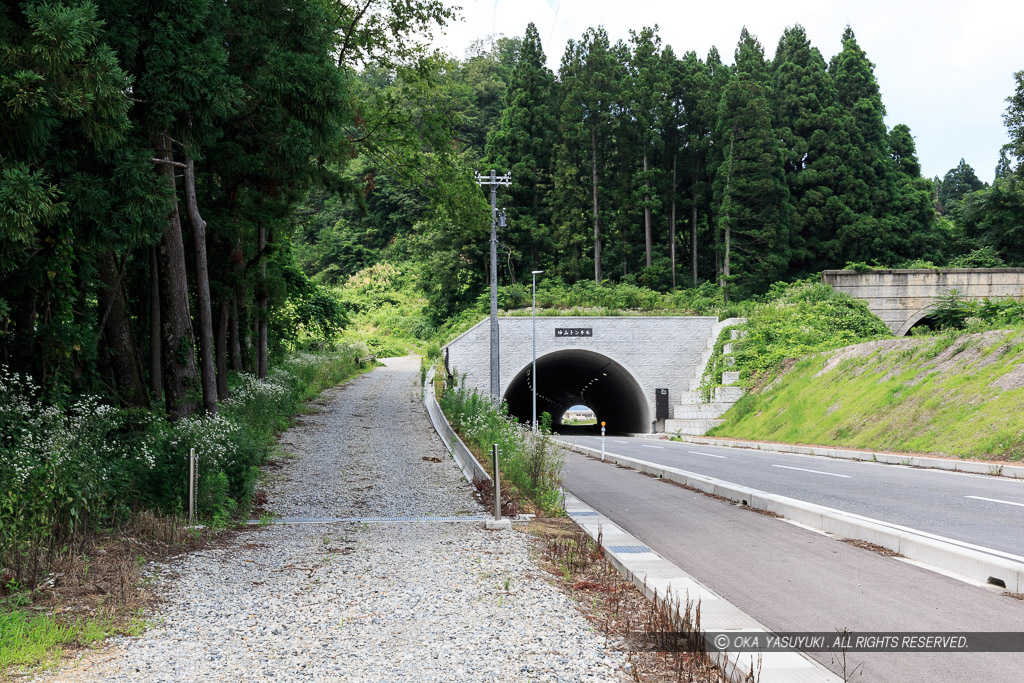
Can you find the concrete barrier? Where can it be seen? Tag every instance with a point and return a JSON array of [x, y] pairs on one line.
[[471, 469], [976, 563]]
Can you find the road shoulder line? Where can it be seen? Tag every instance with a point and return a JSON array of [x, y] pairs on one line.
[[923, 461]]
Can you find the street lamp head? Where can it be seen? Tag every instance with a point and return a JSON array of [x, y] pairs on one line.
[[536, 272]]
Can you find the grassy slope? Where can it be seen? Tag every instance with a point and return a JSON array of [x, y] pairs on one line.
[[960, 395]]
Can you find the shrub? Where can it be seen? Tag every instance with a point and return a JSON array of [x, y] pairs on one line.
[[532, 462], [64, 472], [793, 320]]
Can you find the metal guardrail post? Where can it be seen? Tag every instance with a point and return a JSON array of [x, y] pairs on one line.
[[497, 484], [191, 486], [497, 522]]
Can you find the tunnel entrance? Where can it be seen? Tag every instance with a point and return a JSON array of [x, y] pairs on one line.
[[577, 377]]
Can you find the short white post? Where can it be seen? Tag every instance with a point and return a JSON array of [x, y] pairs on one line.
[[497, 484], [497, 522], [191, 486], [602, 440]]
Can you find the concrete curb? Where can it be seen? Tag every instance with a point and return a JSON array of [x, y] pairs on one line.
[[971, 466], [471, 469], [658, 579], [978, 564]]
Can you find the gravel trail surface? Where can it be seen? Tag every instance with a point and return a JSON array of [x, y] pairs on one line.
[[420, 601]]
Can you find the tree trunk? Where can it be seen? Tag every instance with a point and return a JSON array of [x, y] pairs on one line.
[[693, 222], [647, 213], [236, 339], [262, 352], [116, 328], [597, 226], [206, 352], [672, 224], [156, 373], [728, 228], [180, 378], [222, 350]]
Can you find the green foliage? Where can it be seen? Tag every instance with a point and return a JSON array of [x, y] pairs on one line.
[[750, 183], [520, 143], [993, 217], [957, 184], [985, 257], [951, 312], [794, 320], [28, 642], [390, 315], [946, 395], [532, 462], [63, 472]]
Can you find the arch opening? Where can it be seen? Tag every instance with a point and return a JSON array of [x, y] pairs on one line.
[[578, 377], [923, 319]]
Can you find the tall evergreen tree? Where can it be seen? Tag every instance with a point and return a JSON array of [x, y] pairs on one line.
[[522, 143], [1014, 120], [750, 187], [867, 183], [815, 140], [588, 74], [909, 230], [958, 182], [647, 112]]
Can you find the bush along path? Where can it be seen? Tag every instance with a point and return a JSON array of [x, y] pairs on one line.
[[367, 601]]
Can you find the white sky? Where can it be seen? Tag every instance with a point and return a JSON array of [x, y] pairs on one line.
[[945, 67]]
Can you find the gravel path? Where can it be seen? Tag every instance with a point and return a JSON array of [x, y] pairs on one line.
[[363, 602]]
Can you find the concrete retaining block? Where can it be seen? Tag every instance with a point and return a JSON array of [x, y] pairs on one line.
[[728, 394]]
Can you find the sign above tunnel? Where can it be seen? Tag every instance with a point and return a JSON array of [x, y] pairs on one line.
[[574, 331]]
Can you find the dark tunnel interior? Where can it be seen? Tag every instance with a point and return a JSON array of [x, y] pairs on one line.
[[577, 377]]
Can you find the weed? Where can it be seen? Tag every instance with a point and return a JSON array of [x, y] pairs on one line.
[[532, 463]]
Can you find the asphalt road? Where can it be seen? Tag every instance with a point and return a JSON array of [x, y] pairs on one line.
[[794, 580], [977, 509]]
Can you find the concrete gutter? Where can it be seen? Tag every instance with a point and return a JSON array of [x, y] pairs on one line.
[[970, 466], [974, 563], [659, 579], [471, 469]]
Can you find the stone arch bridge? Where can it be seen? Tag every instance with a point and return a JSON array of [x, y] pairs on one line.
[[902, 298], [615, 365]]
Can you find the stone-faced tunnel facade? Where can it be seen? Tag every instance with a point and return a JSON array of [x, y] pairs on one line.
[[615, 365], [901, 298]]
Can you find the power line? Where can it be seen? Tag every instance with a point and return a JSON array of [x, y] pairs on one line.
[[554, 21]]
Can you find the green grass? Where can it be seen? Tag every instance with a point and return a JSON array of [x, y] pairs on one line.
[[897, 399], [31, 642]]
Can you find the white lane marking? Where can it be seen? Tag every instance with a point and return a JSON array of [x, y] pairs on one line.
[[617, 441], [831, 474], [996, 500], [643, 445], [709, 455]]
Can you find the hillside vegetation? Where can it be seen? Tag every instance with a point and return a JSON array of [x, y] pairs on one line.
[[952, 394]]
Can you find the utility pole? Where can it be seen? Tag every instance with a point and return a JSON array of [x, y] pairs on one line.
[[494, 180]]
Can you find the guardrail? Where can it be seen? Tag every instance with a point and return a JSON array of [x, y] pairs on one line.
[[471, 469]]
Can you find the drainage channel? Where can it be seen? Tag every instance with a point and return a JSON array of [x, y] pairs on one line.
[[367, 520]]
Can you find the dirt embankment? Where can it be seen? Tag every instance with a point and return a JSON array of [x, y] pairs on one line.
[[949, 395]]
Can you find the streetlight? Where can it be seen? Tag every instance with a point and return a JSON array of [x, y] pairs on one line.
[[535, 274]]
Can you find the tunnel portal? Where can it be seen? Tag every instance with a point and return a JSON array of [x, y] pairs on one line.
[[574, 377]]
